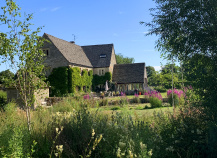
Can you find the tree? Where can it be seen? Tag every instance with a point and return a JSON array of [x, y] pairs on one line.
[[5, 76], [21, 49], [185, 28], [150, 71], [120, 59], [187, 31]]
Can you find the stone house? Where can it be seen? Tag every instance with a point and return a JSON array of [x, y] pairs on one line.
[[99, 58]]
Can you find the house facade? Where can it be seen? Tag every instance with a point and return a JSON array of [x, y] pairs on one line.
[[98, 58]]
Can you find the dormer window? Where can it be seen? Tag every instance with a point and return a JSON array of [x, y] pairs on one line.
[[102, 55]]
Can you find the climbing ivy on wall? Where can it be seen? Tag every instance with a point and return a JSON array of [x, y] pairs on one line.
[[59, 81], [65, 80], [97, 80], [79, 79]]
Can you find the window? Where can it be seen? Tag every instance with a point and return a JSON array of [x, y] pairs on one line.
[[102, 55], [102, 72], [46, 52]]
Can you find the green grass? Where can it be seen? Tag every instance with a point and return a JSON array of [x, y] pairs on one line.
[[136, 111], [164, 94]]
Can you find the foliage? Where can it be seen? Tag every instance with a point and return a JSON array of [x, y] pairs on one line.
[[14, 134], [58, 80], [120, 59], [21, 48], [136, 98], [175, 98], [150, 71], [64, 80], [183, 135], [178, 97], [3, 98], [155, 102], [103, 102], [155, 98], [101, 80], [160, 89], [5, 76], [123, 100]]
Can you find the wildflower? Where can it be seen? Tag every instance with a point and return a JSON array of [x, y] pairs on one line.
[[93, 133], [57, 130], [150, 153], [119, 152]]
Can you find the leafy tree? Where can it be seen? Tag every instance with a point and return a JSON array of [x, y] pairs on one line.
[[187, 31], [120, 59], [150, 71], [21, 49], [185, 28], [168, 68], [5, 76]]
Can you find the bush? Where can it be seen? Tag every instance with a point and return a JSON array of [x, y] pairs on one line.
[[136, 99], [160, 89], [176, 100], [123, 100], [103, 102], [3, 98], [155, 102]]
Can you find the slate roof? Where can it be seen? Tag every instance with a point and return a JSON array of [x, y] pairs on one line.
[[93, 53], [129, 73], [72, 52]]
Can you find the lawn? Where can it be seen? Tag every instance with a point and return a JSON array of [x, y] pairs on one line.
[[164, 95], [136, 111]]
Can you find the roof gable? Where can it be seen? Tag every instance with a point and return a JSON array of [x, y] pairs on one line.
[[72, 52], [129, 73], [99, 55]]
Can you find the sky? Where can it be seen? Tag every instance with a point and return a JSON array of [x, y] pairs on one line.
[[92, 22]]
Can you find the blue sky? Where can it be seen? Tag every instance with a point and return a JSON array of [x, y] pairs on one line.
[[97, 22]]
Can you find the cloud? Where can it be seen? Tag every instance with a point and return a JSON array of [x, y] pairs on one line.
[[157, 68], [55, 9]]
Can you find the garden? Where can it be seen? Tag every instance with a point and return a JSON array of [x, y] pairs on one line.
[[123, 126]]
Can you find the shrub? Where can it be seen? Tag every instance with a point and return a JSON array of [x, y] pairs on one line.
[[155, 102], [123, 100], [3, 98], [136, 99], [116, 108], [175, 98], [160, 89], [103, 102]]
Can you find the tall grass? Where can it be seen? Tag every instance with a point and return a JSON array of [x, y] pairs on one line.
[[90, 133]]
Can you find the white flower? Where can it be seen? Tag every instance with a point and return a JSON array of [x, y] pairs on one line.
[[57, 130], [150, 153]]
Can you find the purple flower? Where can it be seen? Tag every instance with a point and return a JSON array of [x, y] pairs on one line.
[[86, 97], [179, 93]]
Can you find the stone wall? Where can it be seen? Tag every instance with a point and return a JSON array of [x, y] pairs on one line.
[[113, 61], [98, 71], [40, 95]]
